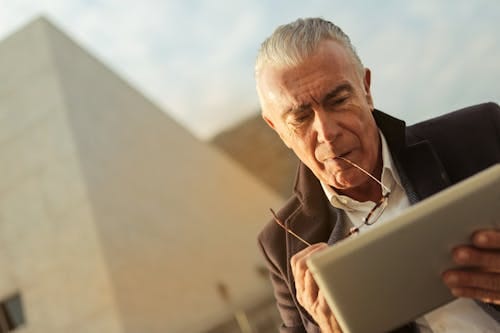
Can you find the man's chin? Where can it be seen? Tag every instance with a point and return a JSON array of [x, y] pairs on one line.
[[343, 179]]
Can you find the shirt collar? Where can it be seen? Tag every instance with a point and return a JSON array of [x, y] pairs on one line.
[[389, 177]]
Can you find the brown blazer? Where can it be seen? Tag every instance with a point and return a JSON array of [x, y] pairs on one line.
[[429, 156]]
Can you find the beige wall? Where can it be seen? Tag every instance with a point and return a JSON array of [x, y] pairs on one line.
[[120, 215], [49, 250]]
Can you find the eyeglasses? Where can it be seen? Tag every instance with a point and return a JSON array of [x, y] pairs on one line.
[[281, 224], [372, 217]]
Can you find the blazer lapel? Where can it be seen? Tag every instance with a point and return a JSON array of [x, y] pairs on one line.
[[315, 220], [418, 164]]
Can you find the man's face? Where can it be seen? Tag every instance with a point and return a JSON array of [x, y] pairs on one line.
[[322, 109]]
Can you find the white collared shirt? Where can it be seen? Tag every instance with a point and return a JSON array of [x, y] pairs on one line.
[[462, 314]]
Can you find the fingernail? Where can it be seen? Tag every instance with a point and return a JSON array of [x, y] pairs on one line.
[[451, 279], [462, 255], [456, 292], [482, 239]]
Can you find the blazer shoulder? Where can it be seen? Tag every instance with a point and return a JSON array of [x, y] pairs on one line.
[[471, 116], [466, 140]]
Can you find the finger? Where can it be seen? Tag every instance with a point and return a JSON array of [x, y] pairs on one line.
[[322, 303], [298, 261], [479, 294], [323, 306], [488, 260], [311, 286], [306, 289], [472, 279], [299, 267], [487, 239], [308, 296], [308, 251]]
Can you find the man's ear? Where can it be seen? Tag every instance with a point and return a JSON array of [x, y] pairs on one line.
[[366, 83], [268, 121], [271, 124]]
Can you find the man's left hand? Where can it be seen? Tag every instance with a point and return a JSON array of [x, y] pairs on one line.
[[479, 275]]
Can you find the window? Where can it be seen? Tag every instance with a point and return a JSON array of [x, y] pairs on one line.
[[11, 313]]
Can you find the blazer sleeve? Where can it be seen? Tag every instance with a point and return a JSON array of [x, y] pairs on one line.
[[290, 315]]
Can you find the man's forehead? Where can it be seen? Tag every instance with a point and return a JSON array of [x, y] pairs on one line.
[[287, 93], [270, 85], [285, 88]]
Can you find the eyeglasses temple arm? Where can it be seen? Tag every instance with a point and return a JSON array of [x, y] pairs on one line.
[[277, 220]]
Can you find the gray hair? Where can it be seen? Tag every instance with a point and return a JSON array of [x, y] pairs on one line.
[[291, 43]]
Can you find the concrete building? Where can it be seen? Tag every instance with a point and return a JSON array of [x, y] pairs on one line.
[[113, 218], [260, 151]]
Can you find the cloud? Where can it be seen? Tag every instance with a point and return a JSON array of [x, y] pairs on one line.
[[432, 58], [195, 58]]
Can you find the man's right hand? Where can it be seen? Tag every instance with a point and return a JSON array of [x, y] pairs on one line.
[[308, 293]]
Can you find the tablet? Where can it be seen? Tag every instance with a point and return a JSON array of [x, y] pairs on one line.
[[379, 280]]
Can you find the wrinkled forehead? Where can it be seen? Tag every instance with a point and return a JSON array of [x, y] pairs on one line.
[[295, 85], [285, 87], [273, 88]]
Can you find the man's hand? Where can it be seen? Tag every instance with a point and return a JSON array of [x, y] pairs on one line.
[[308, 293], [480, 276]]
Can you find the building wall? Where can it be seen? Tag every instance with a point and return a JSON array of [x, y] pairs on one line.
[[260, 151], [49, 249], [133, 221]]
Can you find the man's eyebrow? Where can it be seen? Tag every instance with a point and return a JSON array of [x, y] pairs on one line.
[[345, 87]]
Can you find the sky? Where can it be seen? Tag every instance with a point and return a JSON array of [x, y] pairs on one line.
[[195, 58]]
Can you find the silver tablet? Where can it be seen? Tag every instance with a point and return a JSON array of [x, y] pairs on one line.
[[382, 279]]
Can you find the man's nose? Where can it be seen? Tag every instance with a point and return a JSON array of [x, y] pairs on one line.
[[325, 126]]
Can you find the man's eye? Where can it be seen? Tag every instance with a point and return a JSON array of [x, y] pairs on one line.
[[301, 119], [338, 101], [298, 120]]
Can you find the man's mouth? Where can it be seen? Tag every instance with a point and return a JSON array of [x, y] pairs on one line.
[[337, 158], [342, 155]]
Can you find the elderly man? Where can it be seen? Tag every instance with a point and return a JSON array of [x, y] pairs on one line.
[[356, 162]]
